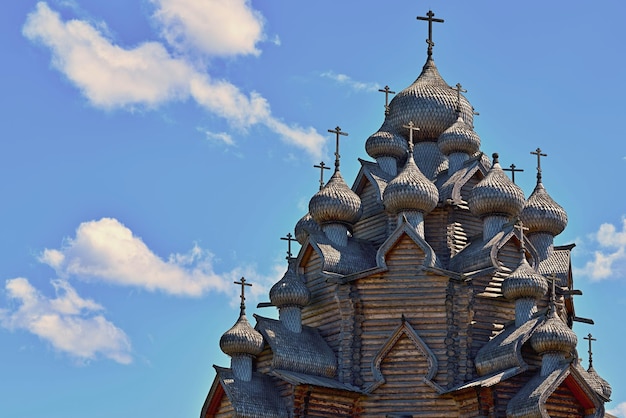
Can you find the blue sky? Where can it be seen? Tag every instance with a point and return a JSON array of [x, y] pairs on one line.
[[154, 151]]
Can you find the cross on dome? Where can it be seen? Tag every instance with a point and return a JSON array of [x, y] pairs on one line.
[[513, 170], [322, 167], [242, 307], [459, 89], [337, 131], [430, 18], [387, 92], [519, 226], [411, 127], [590, 339], [288, 238], [539, 154]]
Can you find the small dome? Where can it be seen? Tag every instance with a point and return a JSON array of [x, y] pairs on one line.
[[290, 290], [553, 335], [241, 339], [430, 103], [410, 190], [335, 203], [542, 214], [599, 384], [460, 137], [304, 227], [386, 143], [496, 194], [524, 282]]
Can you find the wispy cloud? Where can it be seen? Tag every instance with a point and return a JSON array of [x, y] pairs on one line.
[[619, 410], [219, 137], [68, 322], [349, 82], [609, 260], [111, 76]]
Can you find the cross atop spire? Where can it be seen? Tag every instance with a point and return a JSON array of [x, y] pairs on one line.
[[242, 306], [521, 228], [459, 89], [552, 279], [387, 93], [513, 170], [322, 167], [538, 153], [430, 17], [337, 131], [411, 127], [590, 339], [288, 238]]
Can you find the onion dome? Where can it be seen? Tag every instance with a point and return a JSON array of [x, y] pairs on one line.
[[542, 214], [386, 143], [290, 291], [496, 194], [304, 227], [430, 103], [524, 282], [553, 335], [599, 384], [460, 137], [241, 339], [410, 190], [335, 203]]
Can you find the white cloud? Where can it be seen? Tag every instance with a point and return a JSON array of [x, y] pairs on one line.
[[108, 251], [68, 322], [348, 81], [610, 260], [114, 77], [220, 137], [213, 27], [619, 410]]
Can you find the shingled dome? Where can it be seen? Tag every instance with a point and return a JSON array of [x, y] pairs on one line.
[[524, 282], [335, 203], [410, 190], [496, 194], [386, 143], [542, 214], [289, 291], [304, 227], [553, 336], [430, 103], [241, 339], [460, 137]]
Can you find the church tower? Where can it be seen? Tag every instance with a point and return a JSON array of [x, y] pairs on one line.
[[431, 287]]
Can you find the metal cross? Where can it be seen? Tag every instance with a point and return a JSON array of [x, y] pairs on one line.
[[387, 93], [243, 284], [521, 228], [337, 131], [538, 153], [513, 170], [288, 238], [459, 89], [590, 339], [553, 278], [430, 17], [411, 127], [322, 167]]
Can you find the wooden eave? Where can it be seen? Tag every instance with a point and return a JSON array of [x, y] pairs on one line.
[[213, 399]]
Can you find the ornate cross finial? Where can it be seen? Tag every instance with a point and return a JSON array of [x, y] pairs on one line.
[[242, 307], [590, 339], [552, 279], [459, 89], [322, 167], [411, 127], [337, 131], [430, 17], [288, 238], [538, 153], [387, 93], [521, 228], [513, 170]]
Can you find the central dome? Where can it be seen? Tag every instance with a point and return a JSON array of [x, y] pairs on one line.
[[430, 103]]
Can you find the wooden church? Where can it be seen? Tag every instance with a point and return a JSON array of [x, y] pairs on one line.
[[430, 288]]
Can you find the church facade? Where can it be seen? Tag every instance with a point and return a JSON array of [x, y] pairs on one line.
[[432, 287]]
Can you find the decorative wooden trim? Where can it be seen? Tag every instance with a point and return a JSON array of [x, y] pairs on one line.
[[404, 329], [407, 229]]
